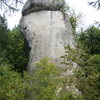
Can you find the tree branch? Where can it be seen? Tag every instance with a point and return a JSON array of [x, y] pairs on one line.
[[12, 4], [95, 4]]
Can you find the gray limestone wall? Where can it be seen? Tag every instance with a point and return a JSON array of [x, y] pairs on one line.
[[47, 30]]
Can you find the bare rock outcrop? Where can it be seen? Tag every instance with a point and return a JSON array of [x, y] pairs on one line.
[[47, 30], [37, 5]]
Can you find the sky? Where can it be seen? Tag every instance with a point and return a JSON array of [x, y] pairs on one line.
[[89, 13]]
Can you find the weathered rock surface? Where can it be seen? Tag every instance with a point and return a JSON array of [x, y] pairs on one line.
[[37, 5], [47, 33]]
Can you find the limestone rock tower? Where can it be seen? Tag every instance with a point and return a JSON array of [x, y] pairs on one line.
[[46, 29]]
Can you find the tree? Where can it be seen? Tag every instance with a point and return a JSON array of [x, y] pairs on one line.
[[17, 50], [90, 39], [88, 78], [11, 84], [89, 61], [96, 4], [3, 39], [49, 83], [45, 81], [3, 32], [74, 18], [13, 48], [9, 5]]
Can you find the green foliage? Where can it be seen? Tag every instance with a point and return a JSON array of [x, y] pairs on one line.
[[69, 57], [13, 49], [90, 39], [3, 33], [89, 61], [73, 17], [65, 8], [11, 86], [73, 20], [45, 80], [47, 83], [3, 39], [71, 60], [66, 95], [16, 50], [88, 78], [43, 84]]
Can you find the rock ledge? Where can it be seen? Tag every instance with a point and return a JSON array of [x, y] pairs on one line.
[[37, 5]]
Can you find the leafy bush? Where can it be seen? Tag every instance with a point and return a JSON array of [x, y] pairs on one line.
[[89, 61], [16, 50], [3, 38], [90, 39], [13, 49], [45, 80], [11, 84], [88, 78]]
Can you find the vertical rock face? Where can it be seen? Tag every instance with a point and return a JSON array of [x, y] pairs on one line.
[[47, 30]]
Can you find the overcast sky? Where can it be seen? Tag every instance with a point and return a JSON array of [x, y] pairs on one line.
[[81, 6]]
